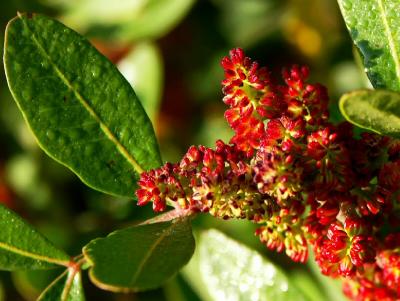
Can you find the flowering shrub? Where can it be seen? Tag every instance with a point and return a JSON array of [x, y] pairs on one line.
[[307, 183], [304, 180]]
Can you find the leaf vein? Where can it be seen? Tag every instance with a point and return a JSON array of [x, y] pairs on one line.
[[109, 134], [392, 45], [32, 255], [147, 257], [51, 285], [68, 285]]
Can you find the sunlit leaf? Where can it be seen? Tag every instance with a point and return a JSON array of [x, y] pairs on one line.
[[223, 269], [374, 27], [375, 110], [82, 111]]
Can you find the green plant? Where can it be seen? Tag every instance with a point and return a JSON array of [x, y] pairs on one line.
[[86, 116]]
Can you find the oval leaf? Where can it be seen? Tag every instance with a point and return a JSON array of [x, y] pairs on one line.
[[378, 110], [141, 257], [22, 247], [81, 109], [66, 287], [374, 27], [228, 270]]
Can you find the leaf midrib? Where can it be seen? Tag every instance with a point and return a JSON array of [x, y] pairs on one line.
[[148, 255], [68, 285], [31, 255], [389, 34], [108, 133]]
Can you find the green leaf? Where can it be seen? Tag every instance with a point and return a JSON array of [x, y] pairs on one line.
[[126, 20], [223, 269], [142, 67], [375, 110], [82, 111], [66, 287], [374, 27], [22, 247], [141, 257]]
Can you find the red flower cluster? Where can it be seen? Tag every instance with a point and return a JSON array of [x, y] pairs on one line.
[[302, 178]]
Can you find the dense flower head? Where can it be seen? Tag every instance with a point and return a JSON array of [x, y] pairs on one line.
[[160, 186], [305, 100], [331, 161], [251, 98], [364, 289], [344, 248], [277, 174], [303, 180], [389, 262], [282, 231]]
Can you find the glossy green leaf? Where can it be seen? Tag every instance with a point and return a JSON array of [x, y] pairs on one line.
[[126, 20], [66, 287], [375, 110], [141, 257], [223, 269], [82, 111], [143, 69], [22, 247], [374, 27]]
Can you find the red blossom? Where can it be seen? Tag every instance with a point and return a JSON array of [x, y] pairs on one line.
[[345, 248], [277, 174], [300, 178]]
